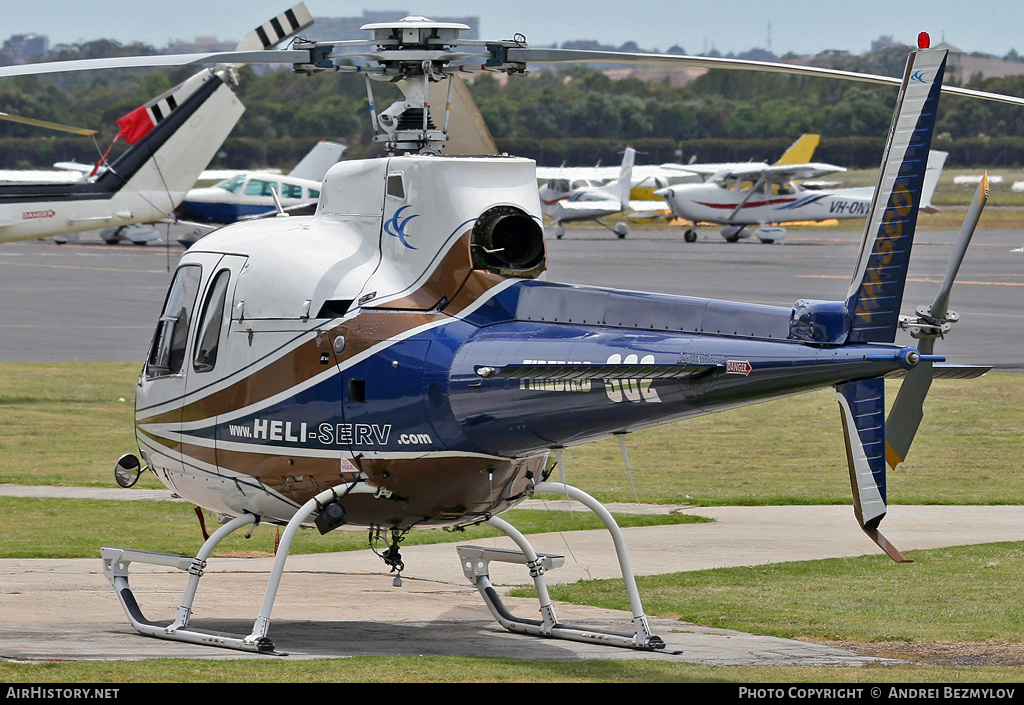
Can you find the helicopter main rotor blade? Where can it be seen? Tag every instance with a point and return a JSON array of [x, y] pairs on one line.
[[46, 124], [540, 55], [287, 56]]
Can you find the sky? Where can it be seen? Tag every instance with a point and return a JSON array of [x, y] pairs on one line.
[[799, 26]]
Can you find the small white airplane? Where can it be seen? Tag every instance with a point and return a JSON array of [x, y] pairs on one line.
[[765, 195], [254, 193], [587, 199], [171, 139], [647, 178]]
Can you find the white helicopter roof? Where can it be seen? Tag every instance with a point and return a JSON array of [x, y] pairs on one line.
[[381, 228]]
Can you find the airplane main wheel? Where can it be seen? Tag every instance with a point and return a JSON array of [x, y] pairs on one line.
[[622, 230], [732, 238], [559, 231], [690, 236]]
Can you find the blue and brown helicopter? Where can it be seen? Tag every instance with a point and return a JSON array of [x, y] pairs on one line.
[[397, 360]]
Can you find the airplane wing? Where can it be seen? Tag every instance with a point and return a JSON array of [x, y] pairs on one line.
[[39, 177], [591, 207], [737, 169], [648, 206], [592, 173], [791, 172], [752, 171]]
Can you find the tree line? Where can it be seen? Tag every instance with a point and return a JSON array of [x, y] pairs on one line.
[[576, 115]]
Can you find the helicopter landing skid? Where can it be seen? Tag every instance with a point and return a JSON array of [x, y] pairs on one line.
[[117, 560], [476, 561]]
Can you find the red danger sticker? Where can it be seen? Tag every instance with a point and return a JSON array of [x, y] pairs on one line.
[[29, 215], [738, 367]]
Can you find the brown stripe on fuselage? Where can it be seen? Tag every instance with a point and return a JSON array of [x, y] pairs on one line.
[[158, 440], [293, 476], [441, 491], [279, 375], [431, 491], [443, 283], [453, 279]]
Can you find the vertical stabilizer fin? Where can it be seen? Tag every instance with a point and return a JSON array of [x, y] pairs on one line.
[[624, 184], [876, 291], [801, 151], [936, 160]]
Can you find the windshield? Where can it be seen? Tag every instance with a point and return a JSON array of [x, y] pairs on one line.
[[232, 185]]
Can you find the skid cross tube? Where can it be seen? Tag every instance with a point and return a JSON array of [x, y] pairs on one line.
[[475, 562], [115, 567], [116, 562]]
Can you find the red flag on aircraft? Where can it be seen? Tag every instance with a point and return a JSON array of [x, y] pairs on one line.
[[136, 124]]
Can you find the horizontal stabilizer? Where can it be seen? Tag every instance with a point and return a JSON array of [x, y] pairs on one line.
[[950, 372], [594, 371]]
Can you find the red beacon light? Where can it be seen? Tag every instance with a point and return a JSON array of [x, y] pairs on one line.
[[923, 41]]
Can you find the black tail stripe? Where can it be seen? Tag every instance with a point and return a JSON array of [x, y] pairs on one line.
[[276, 24], [264, 38]]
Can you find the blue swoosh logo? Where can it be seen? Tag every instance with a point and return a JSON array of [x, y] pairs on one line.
[[396, 228], [918, 76]]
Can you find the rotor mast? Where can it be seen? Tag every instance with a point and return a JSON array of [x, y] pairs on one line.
[[413, 53]]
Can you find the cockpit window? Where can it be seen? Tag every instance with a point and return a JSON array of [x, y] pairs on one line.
[[232, 185], [259, 187], [208, 340], [171, 337]]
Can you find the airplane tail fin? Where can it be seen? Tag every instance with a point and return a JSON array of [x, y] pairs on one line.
[[876, 291], [172, 138], [936, 160], [801, 151], [315, 164], [624, 184], [176, 135]]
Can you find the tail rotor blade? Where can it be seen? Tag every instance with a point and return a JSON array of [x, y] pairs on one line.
[[941, 303], [906, 413], [908, 409]]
